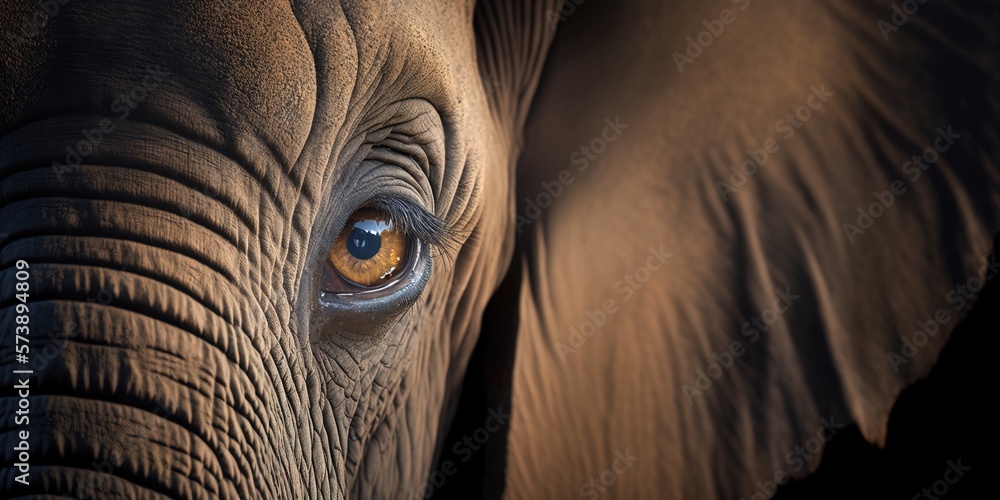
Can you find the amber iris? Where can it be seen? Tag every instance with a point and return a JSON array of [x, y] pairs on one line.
[[369, 251]]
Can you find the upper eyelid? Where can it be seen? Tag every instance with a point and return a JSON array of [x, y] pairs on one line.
[[410, 167], [386, 150], [414, 128], [415, 221]]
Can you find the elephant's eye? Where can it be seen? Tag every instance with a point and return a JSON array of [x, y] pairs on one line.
[[369, 253]]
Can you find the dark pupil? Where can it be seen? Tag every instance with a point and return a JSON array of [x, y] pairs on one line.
[[363, 244]]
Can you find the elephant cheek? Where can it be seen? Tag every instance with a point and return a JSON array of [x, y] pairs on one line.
[[149, 371]]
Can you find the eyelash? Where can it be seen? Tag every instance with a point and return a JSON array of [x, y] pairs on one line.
[[416, 222]]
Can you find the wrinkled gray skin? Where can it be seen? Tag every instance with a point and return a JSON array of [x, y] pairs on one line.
[[177, 266]]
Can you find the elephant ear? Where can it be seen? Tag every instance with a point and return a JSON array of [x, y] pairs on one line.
[[742, 225], [512, 40]]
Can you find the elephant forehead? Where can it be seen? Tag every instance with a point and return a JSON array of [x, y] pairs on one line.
[[273, 83], [221, 76], [406, 69]]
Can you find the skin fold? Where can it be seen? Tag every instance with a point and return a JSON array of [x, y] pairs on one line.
[[179, 345]]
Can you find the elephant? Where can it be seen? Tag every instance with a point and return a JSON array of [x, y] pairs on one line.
[[529, 249]]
